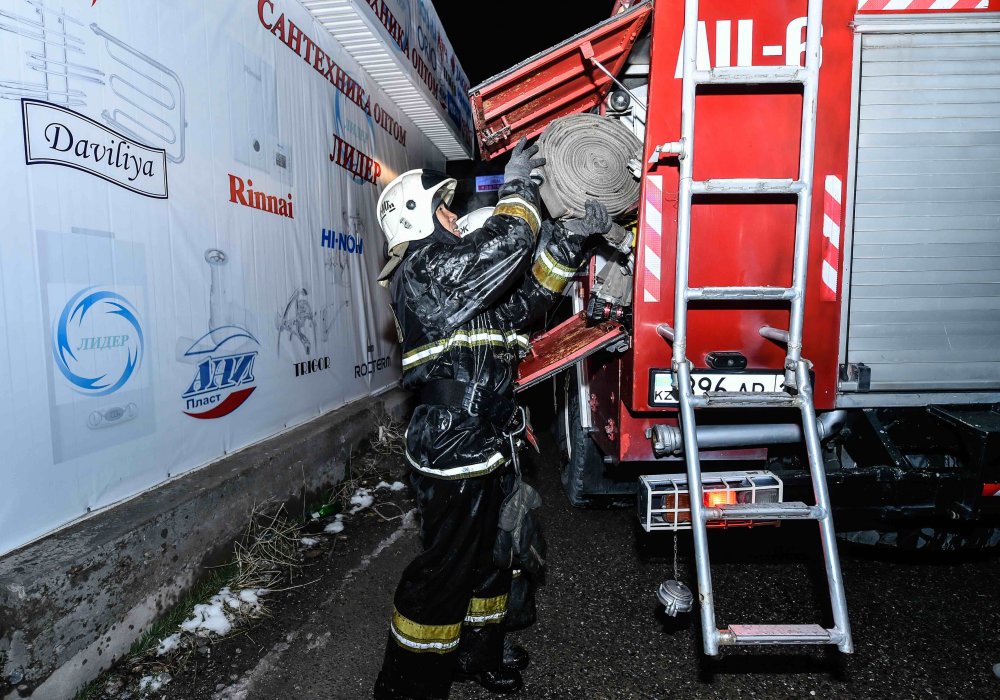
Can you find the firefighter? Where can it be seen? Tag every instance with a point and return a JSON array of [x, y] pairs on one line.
[[462, 306]]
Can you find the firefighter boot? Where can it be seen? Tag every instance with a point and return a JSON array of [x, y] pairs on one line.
[[502, 682], [383, 691], [515, 657], [482, 650]]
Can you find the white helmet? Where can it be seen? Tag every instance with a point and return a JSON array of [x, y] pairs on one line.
[[406, 205], [406, 211], [474, 220]]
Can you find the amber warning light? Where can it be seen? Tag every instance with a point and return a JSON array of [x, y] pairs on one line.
[[665, 504], [720, 498]]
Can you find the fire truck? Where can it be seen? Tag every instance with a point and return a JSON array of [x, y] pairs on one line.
[[804, 292]]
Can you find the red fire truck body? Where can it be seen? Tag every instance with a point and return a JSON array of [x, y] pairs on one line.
[[902, 307], [736, 242]]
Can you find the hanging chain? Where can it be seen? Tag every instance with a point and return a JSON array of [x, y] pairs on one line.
[[676, 574]]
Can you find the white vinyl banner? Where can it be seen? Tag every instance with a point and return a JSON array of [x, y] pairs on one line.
[[412, 28], [189, 244]]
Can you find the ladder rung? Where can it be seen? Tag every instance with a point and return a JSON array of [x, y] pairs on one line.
[[789, 510], [751, 75], [740, 293], [747, 185], [733, 399], [755, 635]]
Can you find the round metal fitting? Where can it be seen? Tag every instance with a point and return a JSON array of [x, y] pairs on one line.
[[675, 597], [619, 100]]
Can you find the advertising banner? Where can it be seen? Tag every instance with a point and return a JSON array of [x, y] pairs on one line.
[[189, 244], [412, 28]]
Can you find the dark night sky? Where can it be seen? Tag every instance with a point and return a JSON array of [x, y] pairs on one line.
[[490, 37]]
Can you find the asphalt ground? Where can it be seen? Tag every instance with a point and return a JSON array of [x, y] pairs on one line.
[[924, 626]]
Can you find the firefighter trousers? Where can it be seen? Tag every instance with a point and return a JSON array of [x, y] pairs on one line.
[[451, 600]]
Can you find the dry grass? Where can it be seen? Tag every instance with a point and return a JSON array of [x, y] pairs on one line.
[[268, 556], [265, 558], [388, 439], [268, 553]]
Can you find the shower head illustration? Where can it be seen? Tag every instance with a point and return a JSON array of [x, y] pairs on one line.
[[222, 314], [338, 289], [369, 338], [151, 107], [216, 294], [57, 55]]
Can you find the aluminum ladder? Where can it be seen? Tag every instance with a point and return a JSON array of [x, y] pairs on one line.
[[798, 390]]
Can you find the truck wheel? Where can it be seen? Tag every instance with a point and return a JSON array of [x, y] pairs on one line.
[[577, 451], [583, 475]]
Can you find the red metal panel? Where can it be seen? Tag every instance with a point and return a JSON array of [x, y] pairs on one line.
[[936, 6], [741, 133], [523, 100], [567, 343]]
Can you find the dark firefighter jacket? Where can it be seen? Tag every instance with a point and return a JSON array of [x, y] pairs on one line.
[[463, 308]]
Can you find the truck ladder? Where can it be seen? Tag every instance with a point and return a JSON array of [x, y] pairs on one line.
[[798, 389]]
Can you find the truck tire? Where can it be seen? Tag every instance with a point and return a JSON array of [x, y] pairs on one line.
[[582, 464], [578, 453]]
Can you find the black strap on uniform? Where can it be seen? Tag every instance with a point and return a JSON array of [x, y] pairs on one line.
[[470, 397]]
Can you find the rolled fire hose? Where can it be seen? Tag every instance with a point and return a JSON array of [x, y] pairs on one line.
[[587, 157]]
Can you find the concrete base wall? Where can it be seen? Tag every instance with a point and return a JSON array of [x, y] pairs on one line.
[[74, 602]]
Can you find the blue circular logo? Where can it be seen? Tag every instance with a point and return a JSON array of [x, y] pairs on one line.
[[98, 341]]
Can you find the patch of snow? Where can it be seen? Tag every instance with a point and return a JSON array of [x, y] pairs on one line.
[[409, 521], [212, 618], [153, 683], [249, 595], [309, 542], [169, 644], [336, 526], [361, 499], [209, 618], [394, 486]]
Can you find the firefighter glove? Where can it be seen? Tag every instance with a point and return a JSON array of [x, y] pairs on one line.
[[521, 163], [595, 220]]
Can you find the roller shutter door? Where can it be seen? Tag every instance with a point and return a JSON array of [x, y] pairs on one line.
[[925, 282]]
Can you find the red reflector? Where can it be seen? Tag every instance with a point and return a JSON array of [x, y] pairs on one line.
[[719, 498], [991, 489]]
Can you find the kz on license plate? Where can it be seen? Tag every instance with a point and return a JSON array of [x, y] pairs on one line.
[[662, 393]]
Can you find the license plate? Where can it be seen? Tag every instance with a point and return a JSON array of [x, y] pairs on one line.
[[663, 393]]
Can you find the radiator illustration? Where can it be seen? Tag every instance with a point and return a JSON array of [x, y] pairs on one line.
[[149, 104], [56, 54]]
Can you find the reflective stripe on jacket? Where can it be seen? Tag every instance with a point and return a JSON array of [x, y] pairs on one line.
[[463, 308]]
